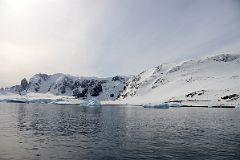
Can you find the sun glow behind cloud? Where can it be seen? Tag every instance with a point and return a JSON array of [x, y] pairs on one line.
[[107, 37], [46, 36]]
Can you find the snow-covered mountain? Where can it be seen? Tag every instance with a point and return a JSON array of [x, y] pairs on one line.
[[213, 79], [67, 85]]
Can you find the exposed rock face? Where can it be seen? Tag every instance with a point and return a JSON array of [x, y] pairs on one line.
[[231, 97], [96, 90], [93, 87], [80, 94], [112, 95], [84, 87], [225, 57], [192, 94], [36, 81], [118, 78], [24, 84]]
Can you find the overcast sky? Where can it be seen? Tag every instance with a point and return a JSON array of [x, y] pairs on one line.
[[111, 37]]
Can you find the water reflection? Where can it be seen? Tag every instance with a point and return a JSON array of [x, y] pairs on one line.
[[61, 121], [30, 131], [21, 117]]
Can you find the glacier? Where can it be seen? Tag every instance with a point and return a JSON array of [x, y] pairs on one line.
[[91, 103]]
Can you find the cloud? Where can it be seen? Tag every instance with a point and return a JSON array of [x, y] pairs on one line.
[[107, 37]]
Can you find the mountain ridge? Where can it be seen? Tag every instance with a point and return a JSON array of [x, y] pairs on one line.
[[217, 74], [68, 85], [208, 79]]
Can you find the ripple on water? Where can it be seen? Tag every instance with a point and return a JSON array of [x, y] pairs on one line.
[[72, 132]]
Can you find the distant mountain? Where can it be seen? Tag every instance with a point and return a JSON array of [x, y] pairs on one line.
[[214, 79], [80, 87], [211, 79]]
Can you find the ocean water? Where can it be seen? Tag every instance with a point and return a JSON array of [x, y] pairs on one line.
[[38, 131]]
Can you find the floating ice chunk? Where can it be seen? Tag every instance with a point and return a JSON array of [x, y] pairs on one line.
[[161, 105], [90, 102], [174, 105]]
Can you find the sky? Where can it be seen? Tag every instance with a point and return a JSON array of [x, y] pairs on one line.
[[111, 37]]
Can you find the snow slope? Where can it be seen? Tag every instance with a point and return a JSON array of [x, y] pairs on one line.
[[44, 98], [204, 81]]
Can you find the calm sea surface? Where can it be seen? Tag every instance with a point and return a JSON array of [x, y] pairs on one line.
[[34, 131]]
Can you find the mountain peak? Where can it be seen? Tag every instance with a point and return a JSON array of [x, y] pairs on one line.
[[224, 57]]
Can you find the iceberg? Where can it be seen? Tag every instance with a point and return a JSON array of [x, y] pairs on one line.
[[90, 102]]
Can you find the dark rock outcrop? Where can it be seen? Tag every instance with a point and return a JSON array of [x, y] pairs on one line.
[[24, 84], [192, 94], [117, 78], [225, 57], [231, 97]]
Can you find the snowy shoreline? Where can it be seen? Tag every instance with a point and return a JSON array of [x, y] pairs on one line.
[[39, 98]]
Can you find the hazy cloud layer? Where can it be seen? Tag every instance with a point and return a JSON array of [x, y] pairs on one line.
[[108, 37]]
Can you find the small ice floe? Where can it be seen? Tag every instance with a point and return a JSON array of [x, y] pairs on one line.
[[161, 105], [90, 103]]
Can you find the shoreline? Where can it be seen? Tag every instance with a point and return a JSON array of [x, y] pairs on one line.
[[119, 104]]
